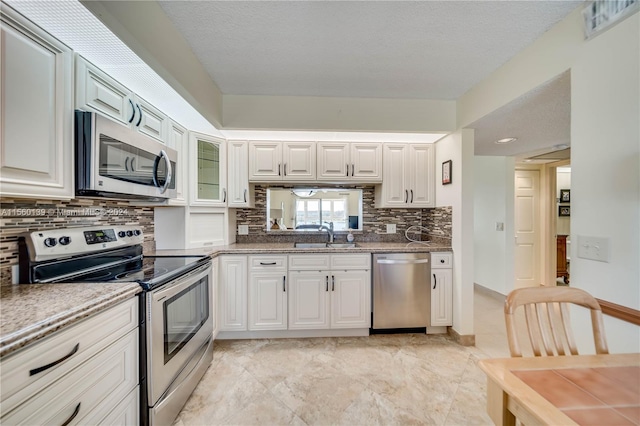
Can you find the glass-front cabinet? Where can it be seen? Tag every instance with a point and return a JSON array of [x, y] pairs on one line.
[[208, 170]]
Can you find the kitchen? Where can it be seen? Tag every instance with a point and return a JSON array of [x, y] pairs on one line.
[[197, 215]]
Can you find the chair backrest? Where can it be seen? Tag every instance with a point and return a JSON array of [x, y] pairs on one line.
[[546, 311]]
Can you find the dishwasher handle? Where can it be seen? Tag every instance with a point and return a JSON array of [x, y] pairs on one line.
[[401, 261]]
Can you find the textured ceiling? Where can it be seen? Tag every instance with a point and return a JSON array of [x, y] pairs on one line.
[[387, 49], [540, 119]]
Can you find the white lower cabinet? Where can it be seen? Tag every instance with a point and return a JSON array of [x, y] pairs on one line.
[[268, 292], [441, 289], [94, 381], [331, 298], [233, 293]]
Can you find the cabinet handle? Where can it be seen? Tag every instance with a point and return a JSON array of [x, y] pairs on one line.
[[406, 195], [279, 170], [333, 282], [347, 169], [245, 195], [435, 281], [224, 195], [284, 283], [133, 111], [412, 195], [131, 164], [285, 169], [268, 263], [126, 164], [139, 119], [73, 415], [353, 170], [326, 283], [54, 363]]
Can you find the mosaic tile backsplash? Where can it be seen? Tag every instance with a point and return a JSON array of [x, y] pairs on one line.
[[436, 220], [18, 216]]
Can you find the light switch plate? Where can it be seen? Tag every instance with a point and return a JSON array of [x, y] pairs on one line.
[[499, 226], [243, 229], [594, 248], [391, 228]]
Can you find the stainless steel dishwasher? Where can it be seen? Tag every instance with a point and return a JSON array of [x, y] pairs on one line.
[[401, 290]]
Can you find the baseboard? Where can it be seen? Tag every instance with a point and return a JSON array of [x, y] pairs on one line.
[[489, 292], [463, 340]]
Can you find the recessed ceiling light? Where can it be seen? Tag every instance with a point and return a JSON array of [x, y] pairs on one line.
[[506, 140], [528, 160], [560, 146]]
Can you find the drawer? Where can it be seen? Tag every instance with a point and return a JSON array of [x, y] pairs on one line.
[[309, 262], [268, 263], [441, 260], [89, 336], [99, 384], [350, 262], [125, 413]]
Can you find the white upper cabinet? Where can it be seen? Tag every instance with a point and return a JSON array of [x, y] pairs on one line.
[[207, 170], [36, 137], [349, 161], [409, 176], [282, 161], [240, 192], [99, 92], [179, 140]]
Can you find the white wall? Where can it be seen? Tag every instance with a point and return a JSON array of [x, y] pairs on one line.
[[458, 147], [493, 202]]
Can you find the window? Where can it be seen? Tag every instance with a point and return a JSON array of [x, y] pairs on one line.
[[308, 212]]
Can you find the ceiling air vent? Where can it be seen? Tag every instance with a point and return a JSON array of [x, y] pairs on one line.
[[602, 14]]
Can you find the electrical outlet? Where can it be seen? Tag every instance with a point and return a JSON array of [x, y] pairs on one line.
[[243, 229], [391, 228], [499, 226], [593, 248]]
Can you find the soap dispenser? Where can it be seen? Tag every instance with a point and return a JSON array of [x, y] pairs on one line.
[[350, 236]]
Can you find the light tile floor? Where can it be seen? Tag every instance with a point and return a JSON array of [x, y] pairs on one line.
[[382, 379]]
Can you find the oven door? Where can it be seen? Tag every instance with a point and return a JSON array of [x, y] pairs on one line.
[[179, 322]]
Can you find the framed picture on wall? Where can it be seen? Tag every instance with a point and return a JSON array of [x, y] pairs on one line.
[[565, 195], [446, 172], [564, 211]]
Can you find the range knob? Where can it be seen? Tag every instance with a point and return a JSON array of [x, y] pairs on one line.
[[64, 240], [137, 232], [129, 233], [50, 242], [122, 234]]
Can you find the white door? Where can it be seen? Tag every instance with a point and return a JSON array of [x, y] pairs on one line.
[[421, 181], [308, 300], [238, 175], [299, 161], [265, 161], [179, 140], [395, 185], [208, 170], [366, 162], [527, 228], [267, 301], [350, 299], [333, 161], [442, 297], [233, 293], [150, 120]]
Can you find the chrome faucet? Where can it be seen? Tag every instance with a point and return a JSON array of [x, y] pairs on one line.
[[329, 230]]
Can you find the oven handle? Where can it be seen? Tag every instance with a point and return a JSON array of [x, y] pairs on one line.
[[87, 271], [178, 284]]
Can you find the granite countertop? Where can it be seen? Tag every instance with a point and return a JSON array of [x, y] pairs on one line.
[[29, 312]]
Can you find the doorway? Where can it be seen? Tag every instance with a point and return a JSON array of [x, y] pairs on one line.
[[527, 226]]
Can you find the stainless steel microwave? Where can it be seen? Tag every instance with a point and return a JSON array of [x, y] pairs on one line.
[[115, 161]]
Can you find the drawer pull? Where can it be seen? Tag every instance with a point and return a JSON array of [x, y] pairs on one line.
[[435, 281], [268, 263], [73, 416], [54, 363]]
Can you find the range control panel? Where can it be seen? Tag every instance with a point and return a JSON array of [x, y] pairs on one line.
[[67, 242]]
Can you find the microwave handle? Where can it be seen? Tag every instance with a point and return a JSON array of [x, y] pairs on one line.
[[163, 155]]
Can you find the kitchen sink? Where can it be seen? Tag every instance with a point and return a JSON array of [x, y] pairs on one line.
[[324, 245]]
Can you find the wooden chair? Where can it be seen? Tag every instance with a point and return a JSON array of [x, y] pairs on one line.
[[547, 316]]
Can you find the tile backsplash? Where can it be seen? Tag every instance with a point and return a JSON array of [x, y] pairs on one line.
[[18, 216], [436, 220]]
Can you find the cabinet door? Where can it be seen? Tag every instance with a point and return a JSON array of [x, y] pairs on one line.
[[36, 111], [179, 140], [308, 300], [394, 191], [233, 293], [150, 120], [268, 301], [265, 161], [350, 299], [333, 161], [421, 176], [441, 297], [299, 161], [240, 193], [208, 171], [97, 91], [366, 162]]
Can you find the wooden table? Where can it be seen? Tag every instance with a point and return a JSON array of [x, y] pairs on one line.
[[564, 390]]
